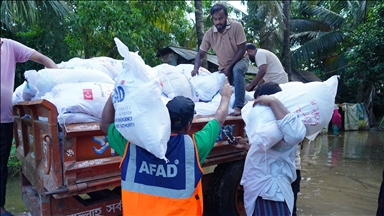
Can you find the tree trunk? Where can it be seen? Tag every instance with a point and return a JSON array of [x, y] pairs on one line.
[[200, 27], [287, 32]]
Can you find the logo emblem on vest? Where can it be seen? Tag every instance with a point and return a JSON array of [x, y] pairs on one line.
[[164, 170]]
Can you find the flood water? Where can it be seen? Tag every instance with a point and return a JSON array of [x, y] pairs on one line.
[[340, 175]]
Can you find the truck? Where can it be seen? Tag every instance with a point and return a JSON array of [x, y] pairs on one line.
[[71, 170]]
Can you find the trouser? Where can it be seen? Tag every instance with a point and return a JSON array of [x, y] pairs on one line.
[[296, 189], [237, 79], [6, 135], [269, 207], [380, 209], [335, 130]]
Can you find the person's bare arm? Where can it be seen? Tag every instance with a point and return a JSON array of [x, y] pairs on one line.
[[198, 61], [42, 59], [241, 49], [277, 107], [222, 111], [258, 78], [108, 116]]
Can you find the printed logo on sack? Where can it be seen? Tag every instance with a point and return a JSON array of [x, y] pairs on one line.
[[87, 94], [118, 94]]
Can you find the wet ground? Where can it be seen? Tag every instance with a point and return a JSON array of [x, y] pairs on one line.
[[340, 176]]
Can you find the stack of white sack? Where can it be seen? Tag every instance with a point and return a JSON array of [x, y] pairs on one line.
[[140, 114], [109, 66], [312, 103], [174, 82], [79, 93]]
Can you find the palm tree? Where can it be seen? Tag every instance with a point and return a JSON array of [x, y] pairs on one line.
[[19, 15], [200, 27], [286, 44]]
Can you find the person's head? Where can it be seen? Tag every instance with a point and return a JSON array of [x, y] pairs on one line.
[[267, 88], [251, 50], [181, 110], [219, 16]]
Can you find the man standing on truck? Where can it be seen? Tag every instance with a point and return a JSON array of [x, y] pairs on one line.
[[150, 185], [227, 39], [11, 53], [269, 175], [270, 67]]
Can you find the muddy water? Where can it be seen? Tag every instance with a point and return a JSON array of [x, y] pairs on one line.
[[340, 176]]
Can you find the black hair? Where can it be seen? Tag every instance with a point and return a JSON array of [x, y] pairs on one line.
[[267, 88], [250, 46], [218, 7]]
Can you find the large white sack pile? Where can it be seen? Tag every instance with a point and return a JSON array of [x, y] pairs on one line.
[[69, 87], [312, 102], [79, 88]]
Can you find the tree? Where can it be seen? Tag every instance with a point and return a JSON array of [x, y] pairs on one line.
[[37, 24], [200, 28], [144, 27], [265, 24], [20, 15], [286, 44], [366, 59]]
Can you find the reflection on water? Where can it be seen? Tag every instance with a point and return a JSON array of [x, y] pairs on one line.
[[341, 175]]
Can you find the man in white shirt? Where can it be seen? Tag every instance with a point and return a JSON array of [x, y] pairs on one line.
[[269, 172], [270, 67]]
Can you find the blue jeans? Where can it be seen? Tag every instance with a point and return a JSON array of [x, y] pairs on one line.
[[6, 135], [237, 79]]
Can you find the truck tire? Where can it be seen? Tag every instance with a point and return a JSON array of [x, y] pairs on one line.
[[225, 195]]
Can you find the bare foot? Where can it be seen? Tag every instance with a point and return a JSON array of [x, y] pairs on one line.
[[236, 112]]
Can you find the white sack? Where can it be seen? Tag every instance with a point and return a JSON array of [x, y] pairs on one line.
[[206, 109], [174, 82], [107, 65], [140, 115], [208, 85], [84, 97], [186, 69], [44, 80], [72, 118], [311, 102], [17, 95]]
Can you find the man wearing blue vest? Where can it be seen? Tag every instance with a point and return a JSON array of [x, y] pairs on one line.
[[150, 186]]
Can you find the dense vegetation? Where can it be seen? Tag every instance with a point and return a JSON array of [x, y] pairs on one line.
[[326, 37]]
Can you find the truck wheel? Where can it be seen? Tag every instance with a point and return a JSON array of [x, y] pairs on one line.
[[225, 195]]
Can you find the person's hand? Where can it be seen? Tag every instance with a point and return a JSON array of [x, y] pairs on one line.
[[248, 87], [194, 72], [226, 71], [265, 100], [226, 89], [241, 143]]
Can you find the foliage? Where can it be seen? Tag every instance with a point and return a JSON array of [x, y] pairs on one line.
[[36, 24], [144, 27], [20, 15], [265, 25], [13, 162], [366, 58]]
